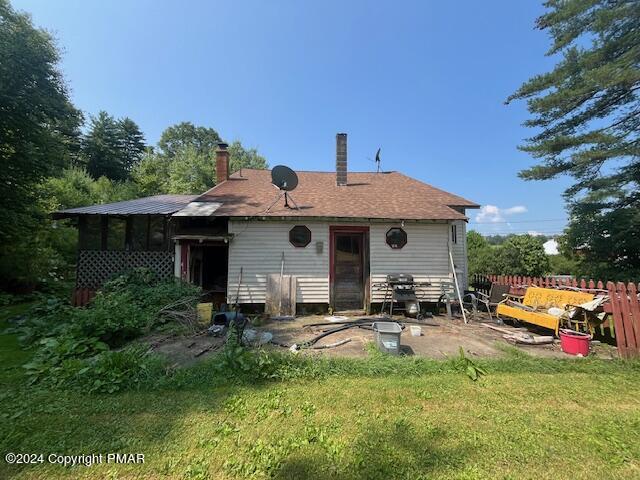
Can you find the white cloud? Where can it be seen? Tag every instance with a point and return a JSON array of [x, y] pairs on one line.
[[515, 209], [494, 214], [550, 247], [534, 233]]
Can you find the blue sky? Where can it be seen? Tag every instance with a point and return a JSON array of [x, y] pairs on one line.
[[425, 81]]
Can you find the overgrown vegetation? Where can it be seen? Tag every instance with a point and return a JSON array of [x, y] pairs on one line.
[[90, 347]]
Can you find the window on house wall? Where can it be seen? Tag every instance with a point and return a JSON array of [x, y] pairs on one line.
[[90, 232], [396, 238], [300, 236], [116, 233], [454, 233]]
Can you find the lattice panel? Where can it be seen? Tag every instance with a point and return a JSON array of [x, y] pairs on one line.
[[97, 266]]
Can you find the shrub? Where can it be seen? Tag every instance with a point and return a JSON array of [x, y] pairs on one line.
[[73, 345]]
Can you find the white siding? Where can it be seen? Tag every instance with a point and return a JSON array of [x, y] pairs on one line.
[[257, 247], [459, 251], [425, 256]]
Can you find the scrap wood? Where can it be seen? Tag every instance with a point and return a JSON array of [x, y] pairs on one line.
[[157, 343], [208, 349], [529, 339], [509, 331], [520, 337], [331, 345]]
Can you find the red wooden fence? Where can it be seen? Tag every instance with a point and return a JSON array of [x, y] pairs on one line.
[[626, 317], [623, 304], [82, 296]]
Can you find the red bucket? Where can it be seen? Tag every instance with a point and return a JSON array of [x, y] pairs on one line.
[[574, 343]]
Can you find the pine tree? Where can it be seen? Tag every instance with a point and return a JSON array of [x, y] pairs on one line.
[[587, 115], [131, 143], [102, 150]]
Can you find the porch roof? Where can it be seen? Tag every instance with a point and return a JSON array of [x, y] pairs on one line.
[[154, 205]]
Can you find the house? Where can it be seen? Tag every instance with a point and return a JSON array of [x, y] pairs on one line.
[[346, 232]]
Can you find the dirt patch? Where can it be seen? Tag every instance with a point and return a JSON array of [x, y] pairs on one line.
[[184, 350], [441, 338]]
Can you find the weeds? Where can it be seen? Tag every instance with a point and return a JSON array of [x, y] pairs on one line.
[[82, 347], [472, 370]]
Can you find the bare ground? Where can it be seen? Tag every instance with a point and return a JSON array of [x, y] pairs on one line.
[[441, 338]]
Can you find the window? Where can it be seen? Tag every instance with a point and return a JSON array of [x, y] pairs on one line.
[[396, 238], [116, 233], [91, 232], [454, 233], [300, 236]]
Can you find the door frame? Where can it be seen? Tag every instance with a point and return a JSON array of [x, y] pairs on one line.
[[366, 287]]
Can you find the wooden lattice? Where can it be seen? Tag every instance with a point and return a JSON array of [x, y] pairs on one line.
[[97, 266]]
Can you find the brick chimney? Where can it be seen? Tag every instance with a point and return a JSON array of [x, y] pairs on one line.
[[222, 163], [341, 159]]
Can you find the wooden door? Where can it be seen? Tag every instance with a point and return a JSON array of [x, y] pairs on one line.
[[348, 271]]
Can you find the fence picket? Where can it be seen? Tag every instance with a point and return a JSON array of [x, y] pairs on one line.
[[629, 319], [617, 320]]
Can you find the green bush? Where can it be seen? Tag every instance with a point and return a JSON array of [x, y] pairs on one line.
[[74, 345]]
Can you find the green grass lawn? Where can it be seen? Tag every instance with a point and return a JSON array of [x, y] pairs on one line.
[[525, 419]]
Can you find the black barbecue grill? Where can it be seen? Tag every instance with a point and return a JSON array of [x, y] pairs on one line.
[[400, 288]]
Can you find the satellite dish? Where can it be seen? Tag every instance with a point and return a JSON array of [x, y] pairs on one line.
[[284, 178]]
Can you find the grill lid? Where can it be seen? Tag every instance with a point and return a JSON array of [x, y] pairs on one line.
[[399, 278]]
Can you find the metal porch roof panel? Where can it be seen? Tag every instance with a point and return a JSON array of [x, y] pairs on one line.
[[154, 205]]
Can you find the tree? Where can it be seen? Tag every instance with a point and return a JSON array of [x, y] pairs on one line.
[[131, 142], [587, 112], [184, 161], [191, 172], [151, 173], [239, 157], [523, 255], [39, 127], [111, 148], [102, 148], [483, 257], [186, 134], [517, 255]]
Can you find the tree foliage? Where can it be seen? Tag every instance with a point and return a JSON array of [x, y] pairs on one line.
[[111, 148], [517, 255], [587, 115], [132, 142], [185, 134], [239, 157], [39, 127], [185, 161], [523, 255]]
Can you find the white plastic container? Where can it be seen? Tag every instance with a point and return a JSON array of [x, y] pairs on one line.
[[416, 330]]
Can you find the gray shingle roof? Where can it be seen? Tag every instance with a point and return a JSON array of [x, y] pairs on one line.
[[155, 205]]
